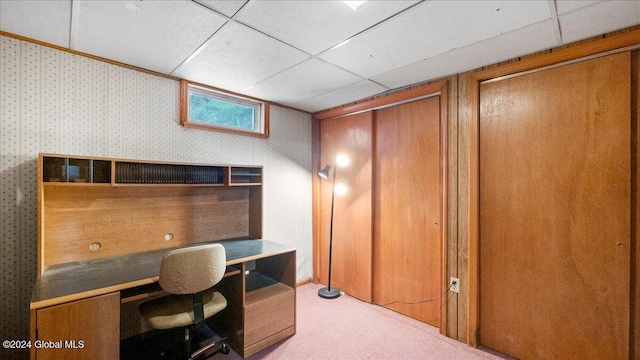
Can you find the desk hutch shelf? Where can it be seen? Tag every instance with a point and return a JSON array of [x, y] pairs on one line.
[[104, 225]]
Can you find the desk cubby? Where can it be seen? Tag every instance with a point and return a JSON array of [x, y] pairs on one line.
[[78, 169], [75, 170], [245, 176]]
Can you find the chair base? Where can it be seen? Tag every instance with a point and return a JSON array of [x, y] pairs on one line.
[[209, 347], [206, 343], [170, 345]]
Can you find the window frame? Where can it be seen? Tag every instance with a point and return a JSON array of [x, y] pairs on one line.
[[222, 95]]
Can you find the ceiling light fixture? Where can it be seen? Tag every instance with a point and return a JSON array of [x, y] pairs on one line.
[[355, 5]]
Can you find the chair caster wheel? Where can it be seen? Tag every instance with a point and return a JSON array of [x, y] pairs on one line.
[[225, 349]]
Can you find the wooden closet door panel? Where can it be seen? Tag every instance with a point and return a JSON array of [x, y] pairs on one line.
[[407, 233], [555, 212], [351, 265]]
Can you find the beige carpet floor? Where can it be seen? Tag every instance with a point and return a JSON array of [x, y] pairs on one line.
[[347, 328]]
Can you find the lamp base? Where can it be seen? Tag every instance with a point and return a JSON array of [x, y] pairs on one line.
[[327, 293]]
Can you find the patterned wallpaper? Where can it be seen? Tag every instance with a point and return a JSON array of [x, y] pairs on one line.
[[56, 102]]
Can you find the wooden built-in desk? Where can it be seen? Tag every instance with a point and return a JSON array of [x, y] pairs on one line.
[[260, 311], [104, 225]]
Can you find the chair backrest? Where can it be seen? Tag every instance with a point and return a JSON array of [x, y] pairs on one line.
[[192, 269]]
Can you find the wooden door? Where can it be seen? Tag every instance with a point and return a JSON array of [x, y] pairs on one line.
[[83, 329], [408, 207], [555, 212], [351, 263]]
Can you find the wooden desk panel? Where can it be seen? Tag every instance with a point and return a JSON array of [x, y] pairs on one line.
[[85, 329]]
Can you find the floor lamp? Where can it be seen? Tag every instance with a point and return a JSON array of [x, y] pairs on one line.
[[328, 292]]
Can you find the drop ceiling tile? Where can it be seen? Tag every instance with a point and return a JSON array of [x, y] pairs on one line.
[[314, 26], [303, 81], [599, 18], [237, 57], [432, 28], [565, 6], [47, 21], [227, 7], [345, 95], [155, 35], [494, 50]]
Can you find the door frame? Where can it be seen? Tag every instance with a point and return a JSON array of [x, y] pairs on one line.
[[438, 88], [617, 43]]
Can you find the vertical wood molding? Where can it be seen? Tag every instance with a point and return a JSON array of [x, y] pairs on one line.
[[315, 186], [463, 112], [474, 101], [634, 336], [444, 201], [451, 302]]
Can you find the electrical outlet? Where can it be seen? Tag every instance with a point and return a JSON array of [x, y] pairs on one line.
[[455, 284]]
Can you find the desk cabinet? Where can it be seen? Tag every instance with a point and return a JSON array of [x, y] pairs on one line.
[[83, 329], [264, 313], [268, 311]]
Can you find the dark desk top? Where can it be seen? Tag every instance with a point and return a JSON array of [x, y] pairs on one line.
[[77, 280]]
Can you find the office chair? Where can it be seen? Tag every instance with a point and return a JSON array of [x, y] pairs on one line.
[[188, 275]]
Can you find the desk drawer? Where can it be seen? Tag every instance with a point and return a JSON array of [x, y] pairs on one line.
[[267, 311]]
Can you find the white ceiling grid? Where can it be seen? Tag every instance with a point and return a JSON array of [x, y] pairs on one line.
[[237, 57], [308, 54]]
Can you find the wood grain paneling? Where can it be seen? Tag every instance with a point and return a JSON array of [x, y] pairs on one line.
[[464, 115], [554, 211], [351, 271], [91, 321], [451, 266], [635, 205], [132, 219], [408, 209]]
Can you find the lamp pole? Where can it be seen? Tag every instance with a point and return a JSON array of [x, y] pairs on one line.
[[328, 292]]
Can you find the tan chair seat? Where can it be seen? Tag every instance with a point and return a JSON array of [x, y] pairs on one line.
[[177, 310]]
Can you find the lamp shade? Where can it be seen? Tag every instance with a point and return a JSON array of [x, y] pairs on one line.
[[324, 173]]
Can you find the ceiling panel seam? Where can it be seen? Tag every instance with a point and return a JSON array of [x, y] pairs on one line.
[[212, 10], [199, 48], [555, 22], [370, 27], [73, 26]]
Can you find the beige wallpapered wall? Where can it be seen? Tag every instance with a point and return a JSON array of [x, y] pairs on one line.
[[56, 102]]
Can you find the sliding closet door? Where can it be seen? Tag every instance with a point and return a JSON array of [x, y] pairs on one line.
[[407, 210], [351, 270], [555, 212]]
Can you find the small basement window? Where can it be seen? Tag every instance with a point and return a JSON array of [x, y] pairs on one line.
[[210, 109]]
